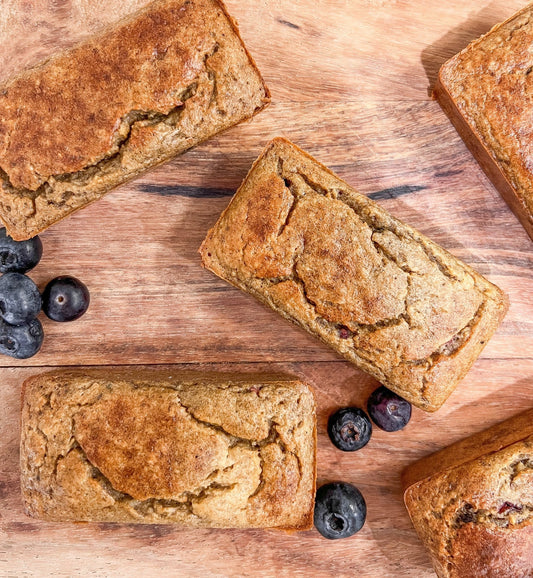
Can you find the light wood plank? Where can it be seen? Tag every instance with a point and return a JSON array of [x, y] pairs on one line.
[[387, 546], [137, 248]]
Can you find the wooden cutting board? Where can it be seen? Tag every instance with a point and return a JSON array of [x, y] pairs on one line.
[[349, 81]]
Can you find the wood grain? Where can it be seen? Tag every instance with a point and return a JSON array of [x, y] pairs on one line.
[[349, 81], [386, 547]]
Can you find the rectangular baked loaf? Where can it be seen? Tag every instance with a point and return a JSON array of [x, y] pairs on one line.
[[331, 260], [485, 91], [472, 503], [88, 119], [156, 446]]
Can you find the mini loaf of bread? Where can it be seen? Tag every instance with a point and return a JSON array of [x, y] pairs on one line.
[[151, 446], [90, 118], [485, 90], [472, 503], [398, 306]]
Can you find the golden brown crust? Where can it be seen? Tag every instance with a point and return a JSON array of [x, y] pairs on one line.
[[485, 92], [391, 301], [490, 440], [498, 552], [476, 517], [90, 118], [152, 446]]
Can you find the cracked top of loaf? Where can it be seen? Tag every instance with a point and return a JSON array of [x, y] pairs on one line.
[[326, 257], [490, 83], [153, 446], [86, 120], [475, 516]]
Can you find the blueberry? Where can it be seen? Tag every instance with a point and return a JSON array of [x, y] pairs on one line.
[[18, 256], [349, 429], [388, 411], [21, 341], [20, 300], [65, 299], [340, 510]]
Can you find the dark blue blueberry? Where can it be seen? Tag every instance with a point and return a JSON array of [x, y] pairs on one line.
[[340, 510], [349, 429], [65, 299], [388, 411], [20, 300], [18, 256], [21, 341]]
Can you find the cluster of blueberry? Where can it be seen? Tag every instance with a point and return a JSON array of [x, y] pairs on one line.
[[340, 509], [63, 299]]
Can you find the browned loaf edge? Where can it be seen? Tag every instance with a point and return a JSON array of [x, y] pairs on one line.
[[500, 142], [219, 450], [329, 259], [474, 514], [490, 440], [90, 118]]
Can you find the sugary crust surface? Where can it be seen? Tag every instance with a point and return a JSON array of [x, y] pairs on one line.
[[90, 118], [331, 260], [489, 86], [476, 518], [147, 446]]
